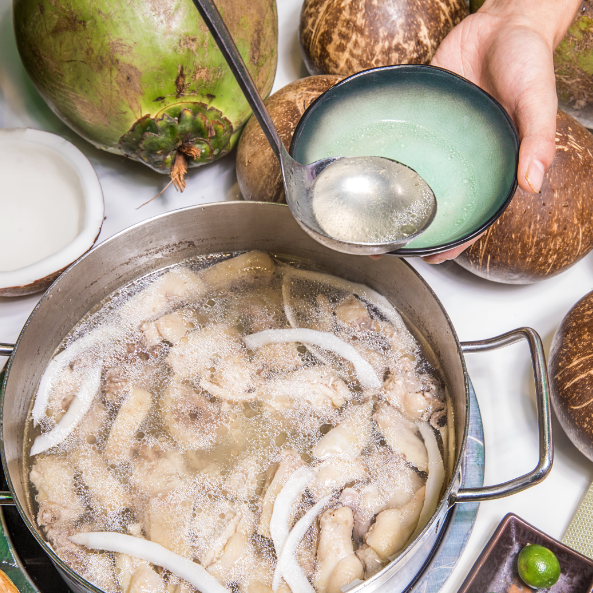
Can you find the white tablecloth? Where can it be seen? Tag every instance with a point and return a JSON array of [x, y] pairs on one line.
[[478, 309]]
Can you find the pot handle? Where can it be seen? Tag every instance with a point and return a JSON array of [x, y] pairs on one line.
[[6, 349], [546, 450], [5, 497]]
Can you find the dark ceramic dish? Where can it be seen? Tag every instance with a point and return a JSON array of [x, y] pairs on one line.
[[455, 135], [495, 571]]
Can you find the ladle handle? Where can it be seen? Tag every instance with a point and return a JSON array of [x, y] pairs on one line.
[[546, 449], [224, 40]]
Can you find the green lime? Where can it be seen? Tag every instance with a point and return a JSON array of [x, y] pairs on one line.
[[538, 567]]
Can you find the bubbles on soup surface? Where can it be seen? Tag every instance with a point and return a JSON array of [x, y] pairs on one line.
[[214, 450]]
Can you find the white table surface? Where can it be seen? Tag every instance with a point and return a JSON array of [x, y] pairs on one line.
[[478, 309]]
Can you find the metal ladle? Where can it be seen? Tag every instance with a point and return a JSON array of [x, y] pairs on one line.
[[359, 205]]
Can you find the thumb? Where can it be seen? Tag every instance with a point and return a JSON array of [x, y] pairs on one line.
[[536, 120]]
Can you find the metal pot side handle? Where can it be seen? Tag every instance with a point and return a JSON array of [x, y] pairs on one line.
[[546, 449], [5, 350]]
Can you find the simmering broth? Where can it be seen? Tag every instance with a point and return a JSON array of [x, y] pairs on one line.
[[172, 414]]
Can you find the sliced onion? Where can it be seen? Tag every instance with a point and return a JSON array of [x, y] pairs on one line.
[[42, 399], [436, 476], [364, 371], [154, 553], [63, 359], [291, 491], [69, 421], [287, 566], [361, 290]]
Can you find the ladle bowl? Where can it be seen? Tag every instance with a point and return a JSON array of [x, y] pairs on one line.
[[368, 206]]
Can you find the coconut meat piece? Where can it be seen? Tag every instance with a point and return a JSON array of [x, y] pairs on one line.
[[48, 219]]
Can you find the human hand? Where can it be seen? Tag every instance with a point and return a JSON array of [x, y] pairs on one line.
[[507, 49]]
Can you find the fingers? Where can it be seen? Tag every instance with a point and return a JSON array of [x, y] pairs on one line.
[[535, 115], [537, 150], [439, 258]]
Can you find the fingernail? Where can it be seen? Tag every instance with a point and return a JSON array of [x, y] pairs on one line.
[[535, 176]]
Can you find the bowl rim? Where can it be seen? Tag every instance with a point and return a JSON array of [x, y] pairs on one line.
[[424, 251]]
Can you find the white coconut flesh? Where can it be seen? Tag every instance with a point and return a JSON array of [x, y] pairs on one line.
[[51, 206]]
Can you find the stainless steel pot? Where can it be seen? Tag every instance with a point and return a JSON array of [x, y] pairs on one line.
[[236, 226]]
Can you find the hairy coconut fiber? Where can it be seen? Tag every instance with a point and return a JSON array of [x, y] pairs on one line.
[[571, 374], [346, 36]]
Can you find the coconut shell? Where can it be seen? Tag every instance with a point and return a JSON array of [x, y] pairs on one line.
[[258, 171], [571, 374], [541, 235], [573, 64], [347, 36]]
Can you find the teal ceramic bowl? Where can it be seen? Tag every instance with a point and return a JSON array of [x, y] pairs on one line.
[[455, 135]]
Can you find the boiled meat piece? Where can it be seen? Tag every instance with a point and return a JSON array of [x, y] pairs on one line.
[[401, 435], [334, 473], [349, 437], [353, 314], [190, 417], [168, 519], [174, 288], [53, 478], [249, 266], [171, 327], [108, 495], [337, 564], [393, 527], [123, 431], [158, 471]]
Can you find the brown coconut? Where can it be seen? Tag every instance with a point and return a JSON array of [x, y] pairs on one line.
[[571, 374], [541, 235], [347, 36], [258, 171]]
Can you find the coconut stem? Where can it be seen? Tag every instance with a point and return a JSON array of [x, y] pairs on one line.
[[179, 170], [184, 153]]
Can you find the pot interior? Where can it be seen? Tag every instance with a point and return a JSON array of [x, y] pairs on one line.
[[179, 235]]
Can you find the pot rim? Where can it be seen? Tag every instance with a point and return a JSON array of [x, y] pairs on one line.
[[424, 251], [383, 575]]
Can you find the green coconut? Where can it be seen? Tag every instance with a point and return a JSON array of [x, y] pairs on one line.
[[573, 63], [144, 78]]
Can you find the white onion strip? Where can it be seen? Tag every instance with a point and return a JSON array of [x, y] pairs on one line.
[[436, 476], [291, 491], [364, 371], [287, 565], [363, 291], [69, 421], [279, 527], [154, 553], [63, 359]]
